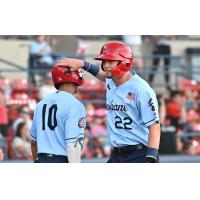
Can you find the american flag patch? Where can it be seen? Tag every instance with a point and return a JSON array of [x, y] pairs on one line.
[[131, 96], [81, 122]]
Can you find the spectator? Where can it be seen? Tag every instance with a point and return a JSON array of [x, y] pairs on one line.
[[190, 148], [21, 145], [3, 115], [5, 86], [1, 154], [87, 151], [41, 55], [82, 50], [192, 111], [98, 130], [192, 144], [53, 42], [24, 116], [193, 121], [181, 143], [3, 148], [47, 87], [90, 111], [40, 47], [175, 108], [191, 97], [161, 48]]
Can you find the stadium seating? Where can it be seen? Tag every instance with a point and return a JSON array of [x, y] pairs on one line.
[[22, 90], [4, 82], [92, 89], [188, 84]]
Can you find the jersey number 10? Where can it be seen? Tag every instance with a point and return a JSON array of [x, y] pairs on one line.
[[52, 121]]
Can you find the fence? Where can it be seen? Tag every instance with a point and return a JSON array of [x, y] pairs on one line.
[[180, 66]]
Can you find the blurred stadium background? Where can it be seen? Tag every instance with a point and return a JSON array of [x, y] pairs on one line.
[[171, 65]]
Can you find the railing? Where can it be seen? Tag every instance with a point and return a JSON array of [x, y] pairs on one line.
[[176, 69]]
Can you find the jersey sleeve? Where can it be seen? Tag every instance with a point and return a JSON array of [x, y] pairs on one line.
[[148, 106], [75, 123], [33, 133]]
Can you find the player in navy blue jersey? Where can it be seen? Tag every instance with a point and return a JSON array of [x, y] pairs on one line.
[[59, 120], [132, 117]]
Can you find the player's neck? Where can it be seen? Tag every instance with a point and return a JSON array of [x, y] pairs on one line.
[[122, 79], [68, 88]]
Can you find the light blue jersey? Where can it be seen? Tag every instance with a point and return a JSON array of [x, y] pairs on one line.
[[58, 120], [132, 107]]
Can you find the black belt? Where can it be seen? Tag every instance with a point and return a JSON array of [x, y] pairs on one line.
[[128, 149], [50, 155]]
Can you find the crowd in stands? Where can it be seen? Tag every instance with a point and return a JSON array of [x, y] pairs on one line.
[[180, 116], [179, 109]]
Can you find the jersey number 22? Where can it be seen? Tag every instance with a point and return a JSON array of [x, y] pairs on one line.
[[123, 123]]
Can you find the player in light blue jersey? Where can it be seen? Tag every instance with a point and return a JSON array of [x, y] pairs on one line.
[[59, 121], [132, 118]]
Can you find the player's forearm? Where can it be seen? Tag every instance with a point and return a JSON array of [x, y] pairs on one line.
[[153, 143], [154, 136], [34, 149], [95, 70], [74, 152]]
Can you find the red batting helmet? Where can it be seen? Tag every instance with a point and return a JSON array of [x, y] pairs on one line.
[[62, 74], [117, 51]]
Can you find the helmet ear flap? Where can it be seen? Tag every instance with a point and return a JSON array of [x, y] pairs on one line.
[[118, 70], [121, 68]]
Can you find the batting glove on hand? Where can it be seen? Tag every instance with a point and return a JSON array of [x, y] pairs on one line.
[[152, 155]]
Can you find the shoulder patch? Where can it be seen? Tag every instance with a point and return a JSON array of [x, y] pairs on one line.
[[81, 122]]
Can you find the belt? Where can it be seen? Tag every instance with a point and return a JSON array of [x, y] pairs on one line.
[[50, 155], [128, 149]]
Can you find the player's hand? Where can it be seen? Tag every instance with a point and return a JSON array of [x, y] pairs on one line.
[[74, 64]]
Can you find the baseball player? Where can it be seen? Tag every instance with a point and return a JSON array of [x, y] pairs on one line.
[[59, 121], [132, 118]]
